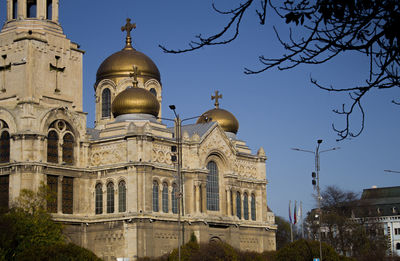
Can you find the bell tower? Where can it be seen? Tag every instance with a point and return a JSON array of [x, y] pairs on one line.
[[38, 64]]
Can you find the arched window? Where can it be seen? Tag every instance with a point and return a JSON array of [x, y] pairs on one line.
[[155, 196], [99, 199], [5, 147], [165, 198], [31, 8], [238, 205], [68, 149], [49, 7], [253, 207], [15, 9], [106, 103], [174, 198], [52, 147], [212, 187], [153, 91], [110, 197], [121, 196], [246, 206]]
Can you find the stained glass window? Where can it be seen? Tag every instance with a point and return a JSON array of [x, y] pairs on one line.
[[52, 147], [246, 206], [4, 192], [99, 199], [68, 149], [106, 103], [67, 195], [155, 196], [52, 184], [121, 196], [212, 187], [5, 147], [238, 205], [110, 197], [253, 207], [165, 198]]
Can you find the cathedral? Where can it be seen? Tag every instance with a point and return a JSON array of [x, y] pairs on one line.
[[130, 186]]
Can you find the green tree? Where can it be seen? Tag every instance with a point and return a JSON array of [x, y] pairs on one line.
[[282, 233], [328, 29], [29, 233], [304, 250], [342, 231]]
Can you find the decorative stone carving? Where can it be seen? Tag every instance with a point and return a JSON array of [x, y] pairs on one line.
[[161, 154], [108, 154]]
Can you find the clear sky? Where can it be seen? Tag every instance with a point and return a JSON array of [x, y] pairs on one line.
[[277, 110]]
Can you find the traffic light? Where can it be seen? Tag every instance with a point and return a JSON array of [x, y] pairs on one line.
[[173, 153], [314, 176]]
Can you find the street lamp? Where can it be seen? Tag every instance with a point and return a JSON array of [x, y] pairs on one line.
[[178, 136], [317, 152]]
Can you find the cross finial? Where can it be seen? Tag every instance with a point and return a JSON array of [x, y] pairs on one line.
[[134, 76], [128, 28], [216, 97]]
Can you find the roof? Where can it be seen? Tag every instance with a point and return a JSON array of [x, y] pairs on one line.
[[200, 129], [380, 202]]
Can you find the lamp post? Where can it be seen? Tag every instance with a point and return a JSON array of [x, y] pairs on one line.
[[178, 136], [317, 152]]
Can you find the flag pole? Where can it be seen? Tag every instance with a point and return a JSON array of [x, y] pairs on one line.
[[290, 221]]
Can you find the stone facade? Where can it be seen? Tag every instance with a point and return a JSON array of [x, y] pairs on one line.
[[107, 178]]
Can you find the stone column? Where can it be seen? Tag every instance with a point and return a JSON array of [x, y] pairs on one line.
[[55, 11], [197, 197], [22, 9], [228, 201], [204, 197]]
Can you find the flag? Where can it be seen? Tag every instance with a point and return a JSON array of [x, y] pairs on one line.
[[290, 213], [294, 213], [299, 213]]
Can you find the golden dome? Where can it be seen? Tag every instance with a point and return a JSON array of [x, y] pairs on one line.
[[225, 119], [120, 64], [135, 100]]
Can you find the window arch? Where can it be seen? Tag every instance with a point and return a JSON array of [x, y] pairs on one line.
[[60, 142], [155, 196], [121, 196], [153, 91], [49, 9], [174, 198], [238, 205], [246, 206], [165, 198], [99, 199], [5, 147], [31, 8], [253, 207], [106, 103], [212, 187], [110, 197]]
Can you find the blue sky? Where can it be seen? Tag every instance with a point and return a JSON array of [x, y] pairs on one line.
[[277, 110]]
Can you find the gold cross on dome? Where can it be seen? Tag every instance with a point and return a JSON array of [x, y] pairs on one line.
[[134, 75], [128, 28], [216, 98]]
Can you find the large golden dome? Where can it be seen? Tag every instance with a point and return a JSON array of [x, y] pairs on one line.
[[225, 119], [135, 100], [120, 64]]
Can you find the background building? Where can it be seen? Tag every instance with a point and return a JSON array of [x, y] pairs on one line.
[[116, 184]]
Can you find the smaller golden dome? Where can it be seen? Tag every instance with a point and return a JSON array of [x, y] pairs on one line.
[[225, 119], [135, 100]]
